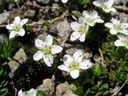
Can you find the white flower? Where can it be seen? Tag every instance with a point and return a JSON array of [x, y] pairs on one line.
[[16, 28], [64, 1], [122, 41], [90, 18], [73, 65], [46, 50], [80, 31], [31, 92], [106, 5], [117, 27]]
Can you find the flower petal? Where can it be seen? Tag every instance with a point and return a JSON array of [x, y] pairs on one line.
[[24, 21], [63, 67], [115, 21], [20, 93], [97, 4], [106, 10], [81, 19], [39, 44], [64, 1], [48, 40], [48, 59], [86, 14], [124, 25], [12, 34], [74, 36], [113, 31], [109, 25], [78, 55], [10, 26], [94, 15], [67, 59], [82, 37], [56, 49], [38, 55], [21, 32], [74, 74], [110, 3], [113, 10], [99, 21], [85, 64], [118, 43], [31, 92], [75, 26], [17, 20]]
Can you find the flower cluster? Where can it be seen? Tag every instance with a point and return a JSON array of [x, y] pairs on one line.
[[47, 50], [16, 28], [121, 30], [81, 27], [74, 64]]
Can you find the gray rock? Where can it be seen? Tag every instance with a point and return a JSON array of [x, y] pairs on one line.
[[118, 2], [47, 87], [121, 16], [3, 17], [3, 38], [56, 0], [43, 1], [63, 89], [15, 64], [63, 28]]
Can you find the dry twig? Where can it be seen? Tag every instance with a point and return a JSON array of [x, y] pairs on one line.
[[121, 8], [115, 94]]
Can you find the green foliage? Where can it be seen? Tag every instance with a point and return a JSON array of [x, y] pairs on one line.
[[100, 89], [82, 3], [3, 83], [39, 93], [6, 49], [116, 59], [99, 71], [46, 26]]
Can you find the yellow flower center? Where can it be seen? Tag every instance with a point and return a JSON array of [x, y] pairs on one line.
[[74, 66], [117, 27], [17, 27], [89, 20], [104, 6], [47, 50], [82, 29], [125, 42]]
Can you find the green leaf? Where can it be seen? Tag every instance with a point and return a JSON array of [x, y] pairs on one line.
[[99, 83], [98, 70], [106, 93], [76, 13], [39, 93], [104, 87], [5, 83], [3, 92], [99, 94], [1, 72], [0, 85], [87, 92]]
